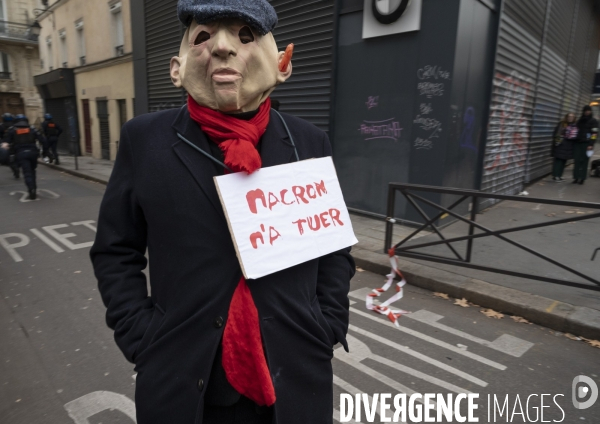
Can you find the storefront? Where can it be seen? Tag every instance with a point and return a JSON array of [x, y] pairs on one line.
[[57, 89], [454, 93]]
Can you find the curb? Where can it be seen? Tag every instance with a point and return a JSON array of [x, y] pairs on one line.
[[554, 314], [74, 173]]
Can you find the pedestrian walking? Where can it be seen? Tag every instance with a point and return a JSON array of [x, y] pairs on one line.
[[22, 138], [587, 133], [563, 138], [208, 346], [51, 132], [7, 122]]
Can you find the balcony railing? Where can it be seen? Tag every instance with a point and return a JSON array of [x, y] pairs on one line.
[[82, 61], [4, 75], [16, 31], [119, 50]]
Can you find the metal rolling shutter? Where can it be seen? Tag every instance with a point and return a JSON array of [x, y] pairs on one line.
[[163, 38], [549, 99], [310, 26], [573, 80], [511, 110], [591, 54]]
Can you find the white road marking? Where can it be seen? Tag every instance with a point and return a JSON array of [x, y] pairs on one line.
[[87, 224], [10, 247], [507, 344], [46, 240], [93, 403], [52, 194], [432, 340], [24, 196], [341, 354], [360, 351], [64, 238], [408, 351]]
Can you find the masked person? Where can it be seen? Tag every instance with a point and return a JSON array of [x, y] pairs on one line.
[[587, 127], [21, 139], [209, 346], [51, 131]]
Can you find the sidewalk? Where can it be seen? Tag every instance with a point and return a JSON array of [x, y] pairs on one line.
[[561, 308]]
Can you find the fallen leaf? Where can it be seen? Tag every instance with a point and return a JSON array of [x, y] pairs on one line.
[[77, 272], [462, 302], [572, 337], [490, 313], [580, 213], [472, 304], [594, 343], [442, 295], [569, 211], [359, 269], [520, 319]]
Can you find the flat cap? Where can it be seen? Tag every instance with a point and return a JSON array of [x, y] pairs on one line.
[[259, 14]]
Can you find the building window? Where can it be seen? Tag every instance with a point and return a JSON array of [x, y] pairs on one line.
[[80, 42], [4, 68], [50, 57], [117, 27], [64, 55]]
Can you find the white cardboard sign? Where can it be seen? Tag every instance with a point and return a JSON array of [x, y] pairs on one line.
[[285, 215]]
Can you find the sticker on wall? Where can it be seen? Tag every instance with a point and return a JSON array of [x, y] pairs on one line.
[[385, 17]]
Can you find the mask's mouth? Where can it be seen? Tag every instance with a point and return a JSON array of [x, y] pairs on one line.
[[226, 75]]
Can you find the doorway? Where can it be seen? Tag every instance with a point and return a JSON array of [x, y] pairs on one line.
[[87, 125]]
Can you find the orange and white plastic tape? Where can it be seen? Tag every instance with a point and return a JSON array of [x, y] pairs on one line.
[[384, 308]]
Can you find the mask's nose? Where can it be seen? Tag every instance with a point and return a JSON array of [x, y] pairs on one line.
[[224, 44]]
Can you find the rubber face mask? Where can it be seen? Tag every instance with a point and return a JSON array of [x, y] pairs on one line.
[[227, 66]]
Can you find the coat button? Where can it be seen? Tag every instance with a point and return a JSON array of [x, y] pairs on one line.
[[200, 384], [218, 323]]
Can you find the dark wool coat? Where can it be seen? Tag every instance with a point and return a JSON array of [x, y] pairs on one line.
[[564, 149], [161, 197]]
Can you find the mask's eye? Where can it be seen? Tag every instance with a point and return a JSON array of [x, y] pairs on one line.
[[201, 38], [246, 35]]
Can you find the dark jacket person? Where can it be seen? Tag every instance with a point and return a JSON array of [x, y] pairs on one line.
[[587, 127], [161, 199], [562, 145]]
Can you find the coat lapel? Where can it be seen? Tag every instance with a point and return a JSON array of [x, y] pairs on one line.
[[276, 146], [276, 150], [201, 167]]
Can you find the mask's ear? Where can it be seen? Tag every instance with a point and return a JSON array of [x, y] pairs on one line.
[[284, 64], [176, 71]]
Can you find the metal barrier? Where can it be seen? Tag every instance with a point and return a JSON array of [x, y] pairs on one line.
[[408, 191]]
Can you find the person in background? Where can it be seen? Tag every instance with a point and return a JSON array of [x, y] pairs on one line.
[[51, 131], [7, 122], [21, 138], [587, 127], [562, 145]]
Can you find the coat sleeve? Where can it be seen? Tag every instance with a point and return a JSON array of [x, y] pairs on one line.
[[594, 133], [118, 255], [333, 284]]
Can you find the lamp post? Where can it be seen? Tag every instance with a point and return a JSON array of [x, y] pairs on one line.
[[35, 30]]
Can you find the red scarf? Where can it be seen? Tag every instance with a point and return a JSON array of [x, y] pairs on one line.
[[244, 359], [236, 138]]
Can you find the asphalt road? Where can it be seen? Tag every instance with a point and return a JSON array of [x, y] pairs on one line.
[[59, 364]]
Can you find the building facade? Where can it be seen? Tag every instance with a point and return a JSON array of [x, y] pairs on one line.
[[19, 59], [87, 79], [453, 93]]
